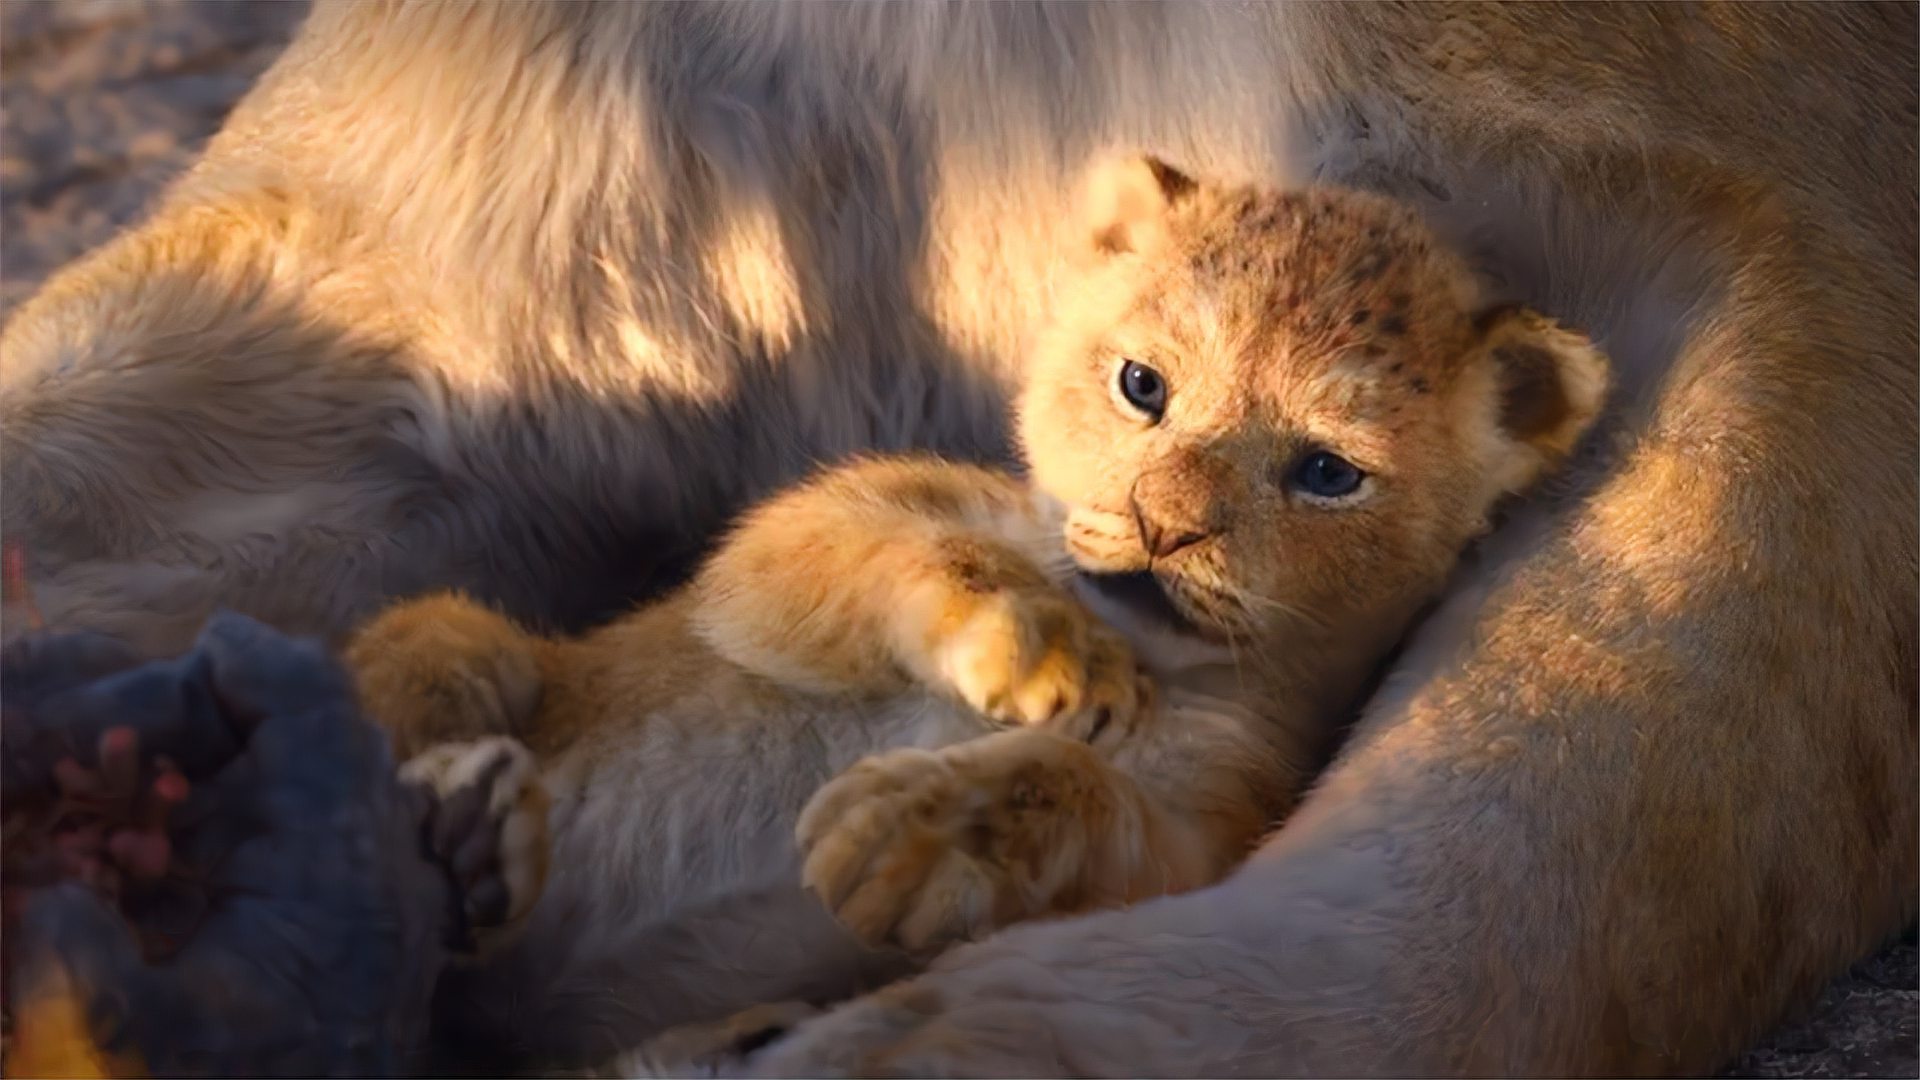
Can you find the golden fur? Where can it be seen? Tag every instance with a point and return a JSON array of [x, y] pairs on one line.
[[521, 299], [903, 608]]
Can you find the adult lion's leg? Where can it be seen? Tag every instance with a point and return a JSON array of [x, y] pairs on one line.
[[207, 411], [1668, 787], [1668, 792], [176, 422], [411, 324]]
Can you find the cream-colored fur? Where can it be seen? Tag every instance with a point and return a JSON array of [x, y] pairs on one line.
[[881, 621], [520, 298]]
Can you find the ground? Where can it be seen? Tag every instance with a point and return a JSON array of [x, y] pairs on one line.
[[101, 101]]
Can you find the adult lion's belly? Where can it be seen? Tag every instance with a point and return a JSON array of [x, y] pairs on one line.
[[561, 996], [673, 894]]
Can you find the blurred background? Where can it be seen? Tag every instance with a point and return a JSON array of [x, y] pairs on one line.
[[103, 101]]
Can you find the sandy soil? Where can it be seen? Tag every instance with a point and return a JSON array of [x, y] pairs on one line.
[[102, 101]]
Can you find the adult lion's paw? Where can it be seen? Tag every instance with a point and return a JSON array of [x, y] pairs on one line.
[[488, 827], [919, 849]]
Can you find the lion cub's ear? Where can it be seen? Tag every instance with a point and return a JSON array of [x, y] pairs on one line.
[[1552, 383], [1128, 201]]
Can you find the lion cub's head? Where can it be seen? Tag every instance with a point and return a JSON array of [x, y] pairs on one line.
[[1286, 407]]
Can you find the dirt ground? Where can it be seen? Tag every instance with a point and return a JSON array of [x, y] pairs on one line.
[[101, 101]]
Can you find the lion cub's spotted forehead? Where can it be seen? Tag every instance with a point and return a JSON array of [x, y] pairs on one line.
[[1333, 289]]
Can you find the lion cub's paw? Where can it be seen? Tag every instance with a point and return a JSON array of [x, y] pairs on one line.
[[1040, 658], [444, 669], [919, 849], [488, 826]]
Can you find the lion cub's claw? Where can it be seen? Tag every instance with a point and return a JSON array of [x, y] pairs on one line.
[[487, 826]]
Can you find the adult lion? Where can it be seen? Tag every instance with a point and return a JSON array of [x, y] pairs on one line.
[[521, 298]]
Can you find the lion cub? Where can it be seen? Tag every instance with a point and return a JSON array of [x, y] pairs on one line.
[[1259, 433]]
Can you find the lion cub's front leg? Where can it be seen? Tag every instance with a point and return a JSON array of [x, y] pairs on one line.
[[457, 687], [898, 572]]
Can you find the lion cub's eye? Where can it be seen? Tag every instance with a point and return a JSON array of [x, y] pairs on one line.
[[1144, 389], [1327, 475]]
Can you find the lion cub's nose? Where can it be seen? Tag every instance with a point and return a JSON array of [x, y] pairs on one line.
[[1164, 542], [1173, 512]]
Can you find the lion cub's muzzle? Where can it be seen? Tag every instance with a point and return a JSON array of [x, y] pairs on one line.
[[1141, 593]]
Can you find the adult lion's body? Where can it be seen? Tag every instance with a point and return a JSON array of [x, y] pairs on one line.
[[515, 297]]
